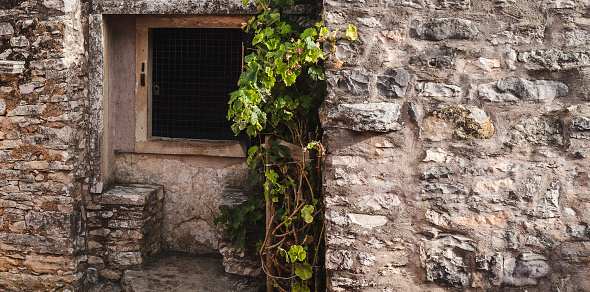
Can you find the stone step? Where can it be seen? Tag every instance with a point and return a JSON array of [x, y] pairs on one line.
[[187, 273]]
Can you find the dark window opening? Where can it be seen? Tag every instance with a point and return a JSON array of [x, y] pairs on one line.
[[193, 72]]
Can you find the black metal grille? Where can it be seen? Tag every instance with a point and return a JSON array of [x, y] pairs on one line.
[[194, 71]]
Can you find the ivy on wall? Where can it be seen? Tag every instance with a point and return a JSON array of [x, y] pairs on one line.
[[277, 102]]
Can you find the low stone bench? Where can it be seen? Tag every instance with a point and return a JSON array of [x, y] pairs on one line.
[[124, 229]]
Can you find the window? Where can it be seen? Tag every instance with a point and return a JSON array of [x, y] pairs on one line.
[[193, 71], [187, 66]]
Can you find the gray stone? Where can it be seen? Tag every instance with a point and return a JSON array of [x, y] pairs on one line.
[[131, 259], [580, 123], [11, 67], [518, 89], [445, 260], [577, 37], [525, 269], [356, 82], [135, 195], [407, 3], [554, 59], [548, 204], [2, 108], [581, 153], [581, 231], [339, 260], [438, 172], [6, 28], [435, 57], [377, 117], [454, 4], [393, 83], [52, 223], [19, 41], [504, 3], [444, 189], [437, 29], [413, 112], [365, 258], [432, 89], [187, 273], [559, 4], [539, 131]]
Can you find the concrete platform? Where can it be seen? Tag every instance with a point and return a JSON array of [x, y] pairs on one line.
[[187, 273]]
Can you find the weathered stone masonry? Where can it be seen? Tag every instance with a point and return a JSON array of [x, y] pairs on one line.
[[43, 146], [457, 131], [457, 137]]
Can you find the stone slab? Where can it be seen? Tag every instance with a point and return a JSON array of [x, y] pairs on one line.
[[134, 194]]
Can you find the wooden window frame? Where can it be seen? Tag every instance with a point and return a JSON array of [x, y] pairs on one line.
[[144, 142]]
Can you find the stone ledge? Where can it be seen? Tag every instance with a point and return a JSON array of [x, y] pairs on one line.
[[134, 194]]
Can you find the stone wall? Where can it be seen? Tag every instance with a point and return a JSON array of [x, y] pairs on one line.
[[43, 145], [457, 132], [457, 137], [124, 229]]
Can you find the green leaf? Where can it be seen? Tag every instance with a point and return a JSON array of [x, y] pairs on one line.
[[324, 31], [303, 271], [245, 2], [289, 78], [351, 33], [310, 32], [299, 288], [272, 176], [307, 213], [257, 38], [296, 252], [285, 28], [316, 73]]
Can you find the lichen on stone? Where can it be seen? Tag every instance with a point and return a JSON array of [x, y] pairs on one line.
[[465, 123]]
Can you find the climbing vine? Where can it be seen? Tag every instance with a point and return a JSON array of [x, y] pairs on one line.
[[277, 102]]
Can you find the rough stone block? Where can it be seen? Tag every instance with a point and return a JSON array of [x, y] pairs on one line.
[[407, 3], [559, 4], [448, 260], [554, 59], [454, 4], [525, 269], [368, 221], [6, 28], [393, 83], [19, 41], [438, 172], [437, 29], [577, 37], [518, 89], [432, 89], [39, 244], [339, 260], [377, 117], [457, 122], [126, 259], [438, 57], [11, 67], [45, 264], [134, 195], [538, 131], [548, 203], [580, 123], [356, 82]]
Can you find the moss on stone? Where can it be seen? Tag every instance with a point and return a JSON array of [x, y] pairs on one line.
[[465, 125]]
